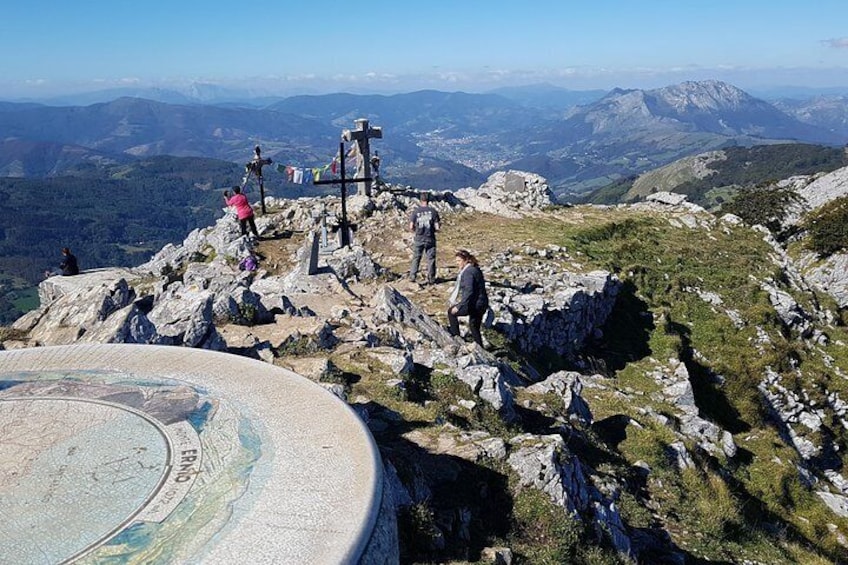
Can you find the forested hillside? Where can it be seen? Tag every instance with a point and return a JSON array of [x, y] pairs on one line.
[[724, 174], [117, 216]]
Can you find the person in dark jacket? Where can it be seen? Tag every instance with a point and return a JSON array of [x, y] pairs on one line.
[[469, 296], [69, 264]]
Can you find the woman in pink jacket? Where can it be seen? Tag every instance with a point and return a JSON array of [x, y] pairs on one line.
[[243, 210]]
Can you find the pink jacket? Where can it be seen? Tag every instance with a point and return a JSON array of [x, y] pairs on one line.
[[243, 209]]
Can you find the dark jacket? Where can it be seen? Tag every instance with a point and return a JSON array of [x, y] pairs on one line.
[[69, 265], [472, 292]]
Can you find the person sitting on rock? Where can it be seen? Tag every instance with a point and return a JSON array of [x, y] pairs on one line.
[[67, 268], [469, 297], [244, 211]]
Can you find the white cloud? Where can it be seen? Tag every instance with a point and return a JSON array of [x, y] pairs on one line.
[[840, 43]]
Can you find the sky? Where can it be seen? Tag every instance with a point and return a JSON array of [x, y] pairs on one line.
[[51, 48]]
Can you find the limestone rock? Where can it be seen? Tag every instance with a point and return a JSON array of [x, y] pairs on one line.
[[392, 306], [669, 198], [54, 287], [79, 310], [184, 317], [354, 263], [830, 276], [544, 463], [837, 503], [488, 382], [562, 317], [497, 555], [127, 325], [509, 193], [568, 386], [399, 361]]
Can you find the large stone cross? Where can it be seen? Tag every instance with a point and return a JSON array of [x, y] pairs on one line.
[[361, 135]]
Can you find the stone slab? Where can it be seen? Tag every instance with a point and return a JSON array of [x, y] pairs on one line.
[[141, 454]]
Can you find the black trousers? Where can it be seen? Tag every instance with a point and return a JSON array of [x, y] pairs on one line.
[[475, 320], [243, 224]]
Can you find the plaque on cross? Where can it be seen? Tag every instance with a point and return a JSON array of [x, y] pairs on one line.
[[361, 135]]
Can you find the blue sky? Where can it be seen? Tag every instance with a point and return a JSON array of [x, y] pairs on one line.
[[389, 46]]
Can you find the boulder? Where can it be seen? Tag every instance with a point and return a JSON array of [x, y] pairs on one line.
[[353, 263], [509, 193], [546, 464], [392, 306], [79, 310], [184, 317], [568, 386], [561, 316]]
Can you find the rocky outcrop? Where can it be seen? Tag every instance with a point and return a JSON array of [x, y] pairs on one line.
[[556, 311], [485, 376], [825, 188], [80, 309], [568, 386], [354, 263], [829, 275], [546, 464], [391, 306], [509, 193], [677, 389]]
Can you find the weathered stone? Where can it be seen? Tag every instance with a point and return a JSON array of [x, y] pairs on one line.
[[830, 276], [788, 310], [391, 306], [509, 193], [681, 456], [487, 382], [544, 463], [837, 503], [128, 325], [353, 263], [79, 310], [497, 555], [240, 305], [184, 317], [400, 362], [54, 287], [668, 198], [568, 386], [562, 319]]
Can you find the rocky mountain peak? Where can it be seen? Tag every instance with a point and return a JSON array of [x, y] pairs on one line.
[[708, 95]]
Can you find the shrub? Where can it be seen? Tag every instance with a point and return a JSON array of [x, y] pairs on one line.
[[766, 205], [828, 227]]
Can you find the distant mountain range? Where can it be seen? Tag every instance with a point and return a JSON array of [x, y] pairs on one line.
[[826, 112], [578, 140]]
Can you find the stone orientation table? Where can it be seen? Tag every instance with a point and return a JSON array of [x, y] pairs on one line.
[[152, 454]]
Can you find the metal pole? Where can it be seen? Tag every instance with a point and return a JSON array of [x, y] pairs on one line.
[[345, 239], [262, 191]]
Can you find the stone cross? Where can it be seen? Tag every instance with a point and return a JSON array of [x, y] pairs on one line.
[[361, 135]]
